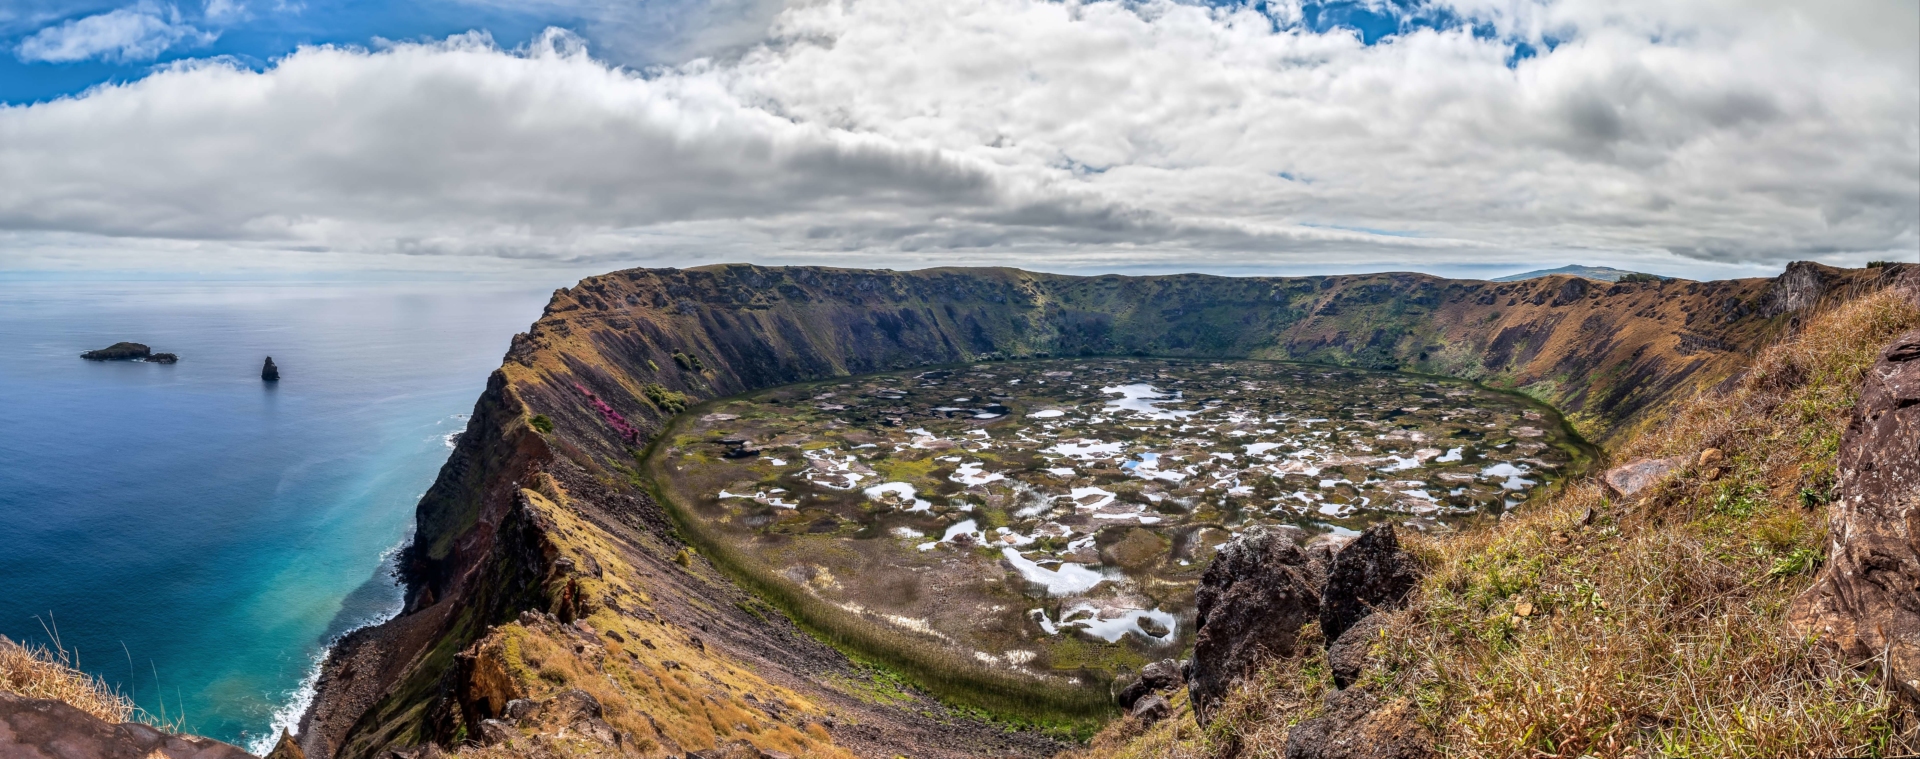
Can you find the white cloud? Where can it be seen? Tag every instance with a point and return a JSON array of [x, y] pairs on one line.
[[135, 33], [1079, 134]]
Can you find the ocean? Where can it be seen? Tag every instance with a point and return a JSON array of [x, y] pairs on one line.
[[196, 536]]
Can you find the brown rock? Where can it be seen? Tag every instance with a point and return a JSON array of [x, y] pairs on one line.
[[1152, 709], [1710, 457], [1357, 726], [34, 728], [1350, 653], [1252, 601], [1632, 477], [286, 748], [1867, 598], [1369, 573]]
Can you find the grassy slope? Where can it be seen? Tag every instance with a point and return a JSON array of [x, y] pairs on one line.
[[38, 672], [1657, 630]]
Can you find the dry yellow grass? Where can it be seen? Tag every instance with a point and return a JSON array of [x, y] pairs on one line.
[[1658, 626], [40, 672]]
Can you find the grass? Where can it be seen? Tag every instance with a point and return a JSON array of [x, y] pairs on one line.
[[49, 673], [1655, 628]]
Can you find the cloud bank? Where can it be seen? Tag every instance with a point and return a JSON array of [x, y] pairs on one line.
[[1075, 134], [136, 33]]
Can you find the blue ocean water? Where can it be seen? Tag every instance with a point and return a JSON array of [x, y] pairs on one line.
[[198, 535]]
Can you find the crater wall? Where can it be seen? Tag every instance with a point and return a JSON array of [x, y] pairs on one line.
[[590, 383]]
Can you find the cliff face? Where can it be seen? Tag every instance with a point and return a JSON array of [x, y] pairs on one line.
[[540, 508]]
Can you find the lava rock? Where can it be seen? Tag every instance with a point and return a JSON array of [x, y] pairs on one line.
[[1349, 654], [1163, 675], [1864, 599], [1356, 725], [1152, 709], [1370, 573], [269, 372], [1252, 601], [286, 748]]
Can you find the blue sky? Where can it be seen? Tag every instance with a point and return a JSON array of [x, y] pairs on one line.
[[1700, 137]]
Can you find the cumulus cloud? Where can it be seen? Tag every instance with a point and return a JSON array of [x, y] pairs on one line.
[[135, 33], [1026, 131]]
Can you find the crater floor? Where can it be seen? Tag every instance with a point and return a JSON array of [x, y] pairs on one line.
[[1052, 517]]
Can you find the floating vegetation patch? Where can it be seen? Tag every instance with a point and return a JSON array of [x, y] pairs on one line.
[[1051, 518]]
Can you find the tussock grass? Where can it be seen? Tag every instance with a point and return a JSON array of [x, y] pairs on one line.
[[40, 672], [1657, 625]]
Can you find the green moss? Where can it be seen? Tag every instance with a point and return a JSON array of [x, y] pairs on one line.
[[542, 423]]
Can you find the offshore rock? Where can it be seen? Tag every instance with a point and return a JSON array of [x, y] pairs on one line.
[[1356, 726], [33, 728], [1371, 573], [1867, 598], [125, 351], [269, 372], [1252, 601]]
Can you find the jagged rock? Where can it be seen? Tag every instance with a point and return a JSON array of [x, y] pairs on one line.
[[1632, 477], [1163, 675], [493, 732], [286, 748], [573, 705], [1152, 709], [1251, 602], [269, 372], [34, 728], [1370, 573], [122, 351], [1865, 599], [1356, 726], [163, 358], [520, 709], [1348, 655]]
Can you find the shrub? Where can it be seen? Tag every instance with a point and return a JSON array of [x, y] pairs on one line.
[[542, 423], [664, 399], [689, 362]]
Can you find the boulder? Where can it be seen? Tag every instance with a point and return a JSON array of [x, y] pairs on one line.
[[1357, 726], [1866, 599], [35, 727], [1348, 655], [1370, 573], [1163, 675], [1634, 476], [1152, 709], [1252, 601]]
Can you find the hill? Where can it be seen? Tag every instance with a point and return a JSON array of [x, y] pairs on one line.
[[1600, 273]]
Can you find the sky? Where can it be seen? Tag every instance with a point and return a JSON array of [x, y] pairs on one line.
[[500, 138]]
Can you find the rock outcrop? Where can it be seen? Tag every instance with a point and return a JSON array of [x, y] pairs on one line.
[[32, 728], [1160, 676], [1252, 601], [1370, 573], [1867, 598], [1356, 725], [269, 372]]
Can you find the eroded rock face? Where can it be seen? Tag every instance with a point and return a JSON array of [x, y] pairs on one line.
[[1867, 599], [1349, 655], [1251, 602], [1357, 726], [33, 728], [1369, 574]]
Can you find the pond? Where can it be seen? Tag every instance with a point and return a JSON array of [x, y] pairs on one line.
[[1052, 518]]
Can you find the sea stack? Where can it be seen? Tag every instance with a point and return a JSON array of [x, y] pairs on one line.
[[269, 372]]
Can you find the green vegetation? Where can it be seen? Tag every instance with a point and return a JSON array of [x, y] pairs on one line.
[[689, 362], [542, 423], [667, 401], [1655, 626]]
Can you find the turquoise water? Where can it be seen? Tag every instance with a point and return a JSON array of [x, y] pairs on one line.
[[196, 535]]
